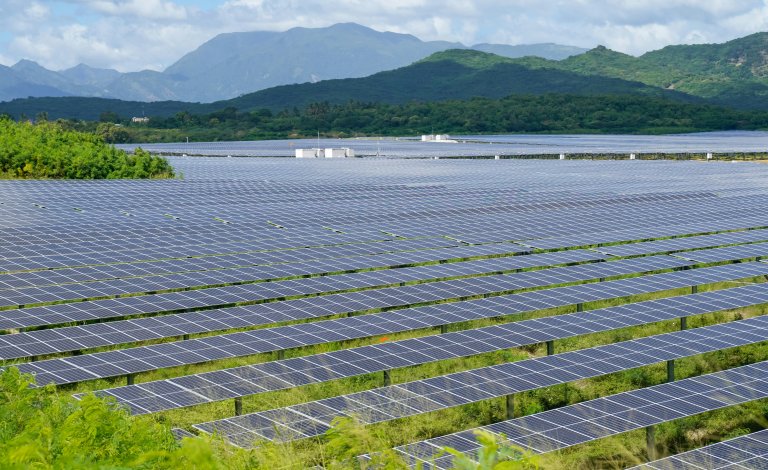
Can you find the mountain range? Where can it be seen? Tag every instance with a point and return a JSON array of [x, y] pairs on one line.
[[733, 74], [233, 64]]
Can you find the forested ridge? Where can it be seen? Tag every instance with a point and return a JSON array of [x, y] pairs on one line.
[[553, 113]]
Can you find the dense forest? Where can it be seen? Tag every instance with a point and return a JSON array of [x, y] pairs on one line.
[[514, 114], [50, 150]]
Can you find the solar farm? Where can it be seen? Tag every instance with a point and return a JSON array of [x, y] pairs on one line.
[[259, 299]]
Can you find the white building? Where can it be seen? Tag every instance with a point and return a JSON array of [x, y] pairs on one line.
[[436, 138], [139, 120], [325, 153], [309, 153]]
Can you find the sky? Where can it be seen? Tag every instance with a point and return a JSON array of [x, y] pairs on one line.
[[132, 35]]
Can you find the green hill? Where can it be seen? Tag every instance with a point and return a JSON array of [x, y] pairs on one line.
[[734, 73], [449, 75]]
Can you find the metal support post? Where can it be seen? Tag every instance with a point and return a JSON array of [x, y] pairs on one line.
[[510, 406], [650, 442], [550, 347]]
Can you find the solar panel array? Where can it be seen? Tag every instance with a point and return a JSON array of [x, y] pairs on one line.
[[436, 393], [744, 452], [614, 414], [129, 361], [89, 336], [209, 387], [102, 279]]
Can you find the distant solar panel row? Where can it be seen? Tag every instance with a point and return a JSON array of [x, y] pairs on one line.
[[740, 453], [239, 381], [328, 304], [686, 243], [184, 323], [36, 295], [645, 233], [187, 244], [611, 415], [166, 265], [560, 230], [91, 225], [423, 396], [756, 250]]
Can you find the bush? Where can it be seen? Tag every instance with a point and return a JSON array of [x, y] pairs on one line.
[[47, 150]]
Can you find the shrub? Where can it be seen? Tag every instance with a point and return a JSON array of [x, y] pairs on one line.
[[47, 150]]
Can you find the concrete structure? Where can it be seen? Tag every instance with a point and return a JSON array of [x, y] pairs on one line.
[[309, 153], [325, 153], [436, 138], [139, 120]]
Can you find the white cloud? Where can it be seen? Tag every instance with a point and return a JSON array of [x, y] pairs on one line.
[[150, 9], [136, 34]]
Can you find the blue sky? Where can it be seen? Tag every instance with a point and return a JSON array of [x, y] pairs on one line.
[[131, 35]]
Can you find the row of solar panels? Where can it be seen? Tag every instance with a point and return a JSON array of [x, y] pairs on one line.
[[90, 336], [540, 225], [403, 210], [208, 387], [748, 452], [35, 295], [166, 264], [348, 282], [623, 412], [199, 350], [461, 388], [130, 225]]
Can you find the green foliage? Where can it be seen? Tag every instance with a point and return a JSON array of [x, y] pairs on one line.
[[495, 454], [530, 113], [41, 429], [48, 150], [733, 74]]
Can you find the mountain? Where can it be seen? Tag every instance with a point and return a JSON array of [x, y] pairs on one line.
[[452, 74], [233, 64], [84, 75], [734, 73], [448, 75], [12, 85]]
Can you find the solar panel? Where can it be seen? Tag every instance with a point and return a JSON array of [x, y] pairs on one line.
[[615, 414], [117, 287], [423, 396], [191, 259], [748, 451], [305, 224], [714, 255], [686, 243], [260, 378], [348, 302], [181, 324], [166, 355]]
